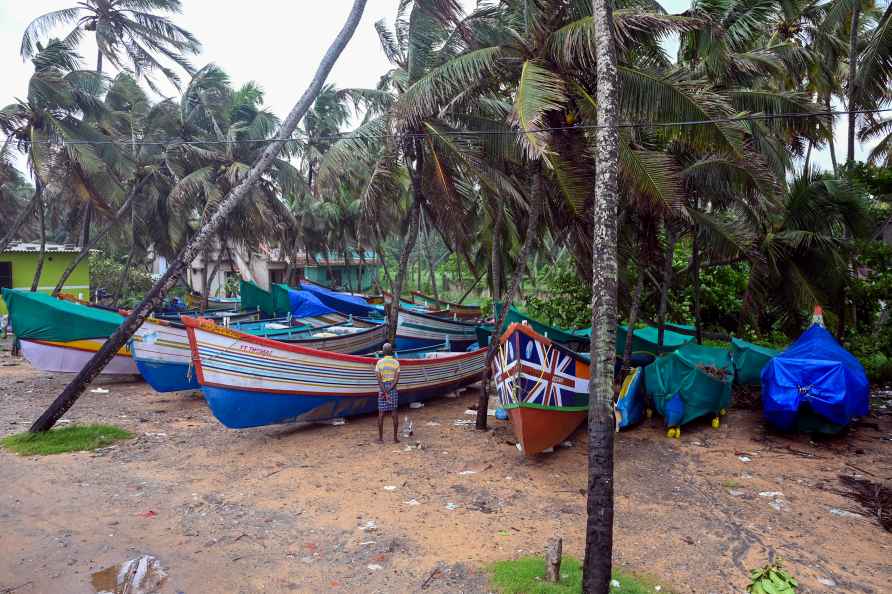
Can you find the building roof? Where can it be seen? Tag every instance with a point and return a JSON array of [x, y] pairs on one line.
[[24, 247]]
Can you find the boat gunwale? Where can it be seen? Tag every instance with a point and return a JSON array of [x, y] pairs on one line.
[[193, 324]]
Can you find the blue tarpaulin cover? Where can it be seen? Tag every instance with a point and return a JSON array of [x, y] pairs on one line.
[[306, 305], [817, 371], [344, 303]]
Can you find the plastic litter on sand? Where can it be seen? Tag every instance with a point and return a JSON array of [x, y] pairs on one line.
[[412, 502], [416, 404], [451, 506], [744, 458], [389, 487], [374, 567], [99, 391], [465, 472]]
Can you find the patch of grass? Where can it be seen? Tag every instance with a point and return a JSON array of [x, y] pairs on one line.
[[76, 438], [527, 576], [730, 484]]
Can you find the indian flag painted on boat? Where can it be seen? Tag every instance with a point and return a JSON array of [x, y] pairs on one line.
[[249, 381], [61, 336]]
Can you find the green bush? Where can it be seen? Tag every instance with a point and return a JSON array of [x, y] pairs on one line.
[[562, 298], [106, 271]]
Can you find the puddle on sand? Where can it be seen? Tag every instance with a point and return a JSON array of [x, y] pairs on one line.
[[142, 575]]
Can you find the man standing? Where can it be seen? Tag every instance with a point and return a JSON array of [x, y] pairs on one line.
[[388, 372]]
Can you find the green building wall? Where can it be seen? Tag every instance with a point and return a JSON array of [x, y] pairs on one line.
[[343, 276], [25, 263]]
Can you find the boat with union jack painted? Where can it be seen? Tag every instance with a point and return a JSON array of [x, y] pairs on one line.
[[161, 347], [543, 385], [250, 381]]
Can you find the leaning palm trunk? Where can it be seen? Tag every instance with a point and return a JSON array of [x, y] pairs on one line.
[[41, 258], [96, 238], [599, 522], [664, 287], [502, 307], [20, 220], [154, 297], [831, 143]]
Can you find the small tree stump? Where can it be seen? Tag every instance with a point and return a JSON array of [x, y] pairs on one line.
[[553, 552]]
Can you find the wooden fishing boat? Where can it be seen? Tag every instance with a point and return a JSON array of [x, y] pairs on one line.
[[163, 357], [214, 303], [250, 381], [417, 330], [61, 336], [543, 386], [448, 309]]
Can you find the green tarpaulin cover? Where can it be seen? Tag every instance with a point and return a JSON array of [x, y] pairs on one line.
[[645, 340], [38, 316], [253, 297], [692, 382], [749, 359], [516, 316]]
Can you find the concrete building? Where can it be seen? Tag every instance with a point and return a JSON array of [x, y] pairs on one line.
[[268, 266], [18, 264]]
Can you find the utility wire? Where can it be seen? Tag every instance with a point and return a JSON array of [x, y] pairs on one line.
[[411, 135]]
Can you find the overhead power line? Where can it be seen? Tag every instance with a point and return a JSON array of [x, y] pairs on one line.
[[409, 135]]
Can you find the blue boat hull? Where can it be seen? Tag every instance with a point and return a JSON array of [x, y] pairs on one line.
[[168, 377], [241, 409]]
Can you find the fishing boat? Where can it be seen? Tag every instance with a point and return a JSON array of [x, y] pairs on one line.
[[250, 381], [418, 330], [193, 301], [61, 336], [447, 308], [574, 340], [815, 385], [543, 385], [161, 347]]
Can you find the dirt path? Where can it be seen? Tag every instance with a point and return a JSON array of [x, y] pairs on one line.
[[304, 509]]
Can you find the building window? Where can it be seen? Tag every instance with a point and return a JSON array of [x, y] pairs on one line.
[[5, 275], [276, 276]]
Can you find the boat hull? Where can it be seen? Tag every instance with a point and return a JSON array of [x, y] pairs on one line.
[[538, 429], [70, 357], [163, 356], [416, 330], [542, 385], [250, 381]]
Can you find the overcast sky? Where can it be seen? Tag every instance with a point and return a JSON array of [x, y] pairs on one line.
[[277, 43]]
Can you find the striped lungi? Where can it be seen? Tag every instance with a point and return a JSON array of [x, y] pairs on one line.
[[387, 398]]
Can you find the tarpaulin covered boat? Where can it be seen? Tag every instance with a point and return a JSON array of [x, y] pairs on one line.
[[689, 383], [250, 381], [345, 303], [543, 385], [58, 335], [749, 360], [814, 380]]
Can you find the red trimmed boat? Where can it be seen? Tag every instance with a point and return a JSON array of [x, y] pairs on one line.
[[543, 386]]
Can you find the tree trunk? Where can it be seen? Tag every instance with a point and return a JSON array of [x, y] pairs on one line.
[[97, 237], [156, 295], [831, 142], [396, 289], [664, 286], [553, 553], [418, 262], [633, 319], [124, 280], [383, 257], [206, 280], [853, 61], [41, 258], [807, 156], [695, 272], [599, 523], [458, 279], [496, 254], [536, 199], [430, 261], [20, 220]]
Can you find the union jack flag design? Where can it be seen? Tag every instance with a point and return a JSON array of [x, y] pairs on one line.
[[530, 371]]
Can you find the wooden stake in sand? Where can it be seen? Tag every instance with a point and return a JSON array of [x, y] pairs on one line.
[[553, 552]]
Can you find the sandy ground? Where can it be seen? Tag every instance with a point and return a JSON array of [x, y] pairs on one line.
[[288, 508]]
